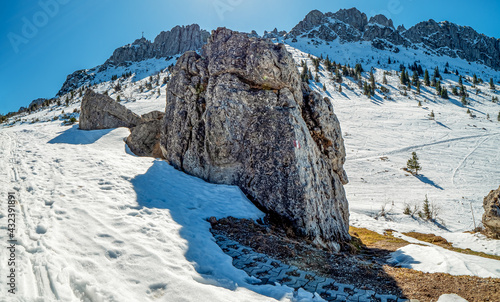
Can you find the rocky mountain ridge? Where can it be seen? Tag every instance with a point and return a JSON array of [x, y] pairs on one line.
[[443, 38], [168, 43]]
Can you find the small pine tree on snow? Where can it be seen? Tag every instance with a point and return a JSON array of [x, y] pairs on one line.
[[340, 88], [165, 81], [58, 102], [316, 78], [468, 111], [487, 116], [389, 61], [427, 81], [427, 209], [460, 81], [474, 79], [414, 79], [372, 79], [419, 103], [438, 88], [444, 93], [454, 90], [118, 99], [384, 80], [67, 102], [432, 116], [324, 87], [498, 118], [436, 72], [413, 164], [492, 85]]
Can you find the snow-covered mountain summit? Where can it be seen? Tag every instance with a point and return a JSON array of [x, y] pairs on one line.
[[438, 38]]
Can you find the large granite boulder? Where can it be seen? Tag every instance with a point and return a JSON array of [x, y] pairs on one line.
[[491, 216], [100, 111], [238, 114], [144, 139]]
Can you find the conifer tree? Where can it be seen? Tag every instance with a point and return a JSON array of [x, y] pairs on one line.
[[372, 79], [384, 80], [418, 87], [498, 118], [474, 79], [436, 72], [444, 93], [413, 164], [464, 101], [460, 81], [414, 79], [492, 85], [427, 82]]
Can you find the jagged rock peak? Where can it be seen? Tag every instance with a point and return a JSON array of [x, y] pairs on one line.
[[353, 17], [238, 114], [382, 20], [312, 19], [168, 43]]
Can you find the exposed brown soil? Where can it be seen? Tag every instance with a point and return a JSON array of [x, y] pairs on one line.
[[363, 265]]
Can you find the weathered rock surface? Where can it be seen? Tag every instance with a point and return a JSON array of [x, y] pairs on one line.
[[144, 139], [168, 43], [491, 216], [238, 114], [100, 111]]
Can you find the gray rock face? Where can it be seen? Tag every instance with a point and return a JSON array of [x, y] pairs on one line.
[[491, 216], [75, 80], [144, 139], [99, 111], [168, 43], [444, 38], [453, 40], [381, 20], [351, 16], [239, 115]]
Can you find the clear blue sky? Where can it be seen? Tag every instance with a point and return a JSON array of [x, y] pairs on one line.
[[77, 34]]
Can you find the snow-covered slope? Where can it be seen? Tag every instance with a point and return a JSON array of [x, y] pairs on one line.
[[458, 153], [97, 223]]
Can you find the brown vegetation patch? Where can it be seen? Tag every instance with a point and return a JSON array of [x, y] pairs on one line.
[[440, 241]]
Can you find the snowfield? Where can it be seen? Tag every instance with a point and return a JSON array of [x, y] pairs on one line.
[[96, 223]]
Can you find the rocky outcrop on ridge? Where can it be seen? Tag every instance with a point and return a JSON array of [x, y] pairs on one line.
[[443, 38], [168, 43], [239, 115], [491, 216]]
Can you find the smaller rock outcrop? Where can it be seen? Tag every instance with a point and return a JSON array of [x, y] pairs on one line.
[[491, 216], [144, 139], [99, 111]]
